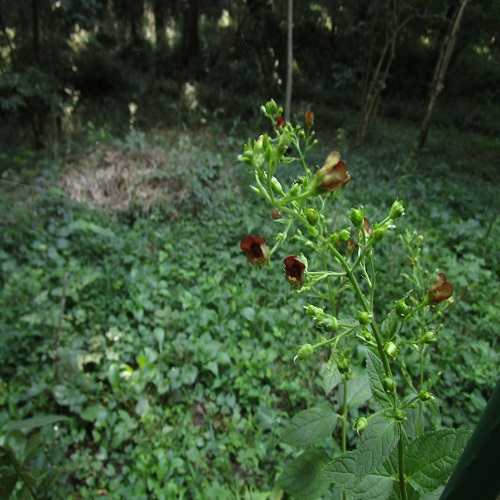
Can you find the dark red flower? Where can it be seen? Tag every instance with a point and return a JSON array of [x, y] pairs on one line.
[[440, 290], [256, 249], [367, 227], [294, 271], [280, 123], [309, 119], [332, 174]]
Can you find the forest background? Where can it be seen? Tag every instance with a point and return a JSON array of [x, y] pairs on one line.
[[126, 304]]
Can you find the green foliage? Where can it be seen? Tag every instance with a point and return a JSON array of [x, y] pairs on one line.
[[398, 382], [175, 368], [18, 453]]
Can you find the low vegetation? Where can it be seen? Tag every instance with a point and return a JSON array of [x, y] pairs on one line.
[[166, 358]]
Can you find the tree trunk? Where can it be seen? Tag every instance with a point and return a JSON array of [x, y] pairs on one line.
[[289, 63], [37, 106], [438, 79], [380, 74], [190, 40]]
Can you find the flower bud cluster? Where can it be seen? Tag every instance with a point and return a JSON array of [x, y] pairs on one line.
[[325, 322]]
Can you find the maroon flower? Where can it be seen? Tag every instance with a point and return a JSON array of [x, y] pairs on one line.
[[309, 119], [440, 290], [280, 123], [332, 174], [256, 249], [294, 271], [366, 224]]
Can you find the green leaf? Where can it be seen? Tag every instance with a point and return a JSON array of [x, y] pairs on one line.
[[33, 446], [342, 472], [31, 423], [376, 374], [142, 406], [331, 377], [303, 478], [430, 458], [358, 392], [390, 325], [373, 486], [376, 444], [95, 413], [309, 426], [8, 481]]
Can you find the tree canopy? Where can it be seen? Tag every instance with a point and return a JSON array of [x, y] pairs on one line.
[[369, 56]]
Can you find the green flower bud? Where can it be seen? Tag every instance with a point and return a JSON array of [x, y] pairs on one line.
[[275, 184], [429, 337], [329, 324], [357, 217], [391, 349], [397, 209], [312, 231], [344, 235], [378, 233], [400, 415], [343, 365], [402, 308], [314, 311], [305, 351], [294, 190], [266, 144], [425, 395], [312, 216], [361, 425], [368, 335], [363, 318], [271, 108], [389, 385], [334, 238]]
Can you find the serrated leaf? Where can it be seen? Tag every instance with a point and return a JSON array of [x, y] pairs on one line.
[[304, 478], [341, 472], [389, 325], [373, 486], [376, 374], [376, 444], [309, 426], [390, 467], [430, 458], [331, 377], [358, 392]]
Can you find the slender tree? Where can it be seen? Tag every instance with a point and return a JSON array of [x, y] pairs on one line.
[[439, 76], [397, 16], [289, 62]]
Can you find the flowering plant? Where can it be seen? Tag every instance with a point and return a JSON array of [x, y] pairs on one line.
[[398, 455]]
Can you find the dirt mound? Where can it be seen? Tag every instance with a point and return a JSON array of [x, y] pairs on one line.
[[114, 179]]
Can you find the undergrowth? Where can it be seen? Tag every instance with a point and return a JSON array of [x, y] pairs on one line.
[[167, 369]]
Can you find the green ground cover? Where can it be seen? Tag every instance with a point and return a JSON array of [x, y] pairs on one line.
[[175, 362]]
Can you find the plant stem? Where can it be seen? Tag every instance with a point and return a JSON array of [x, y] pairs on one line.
[[345, 410], [402, 486], [364, 303]]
